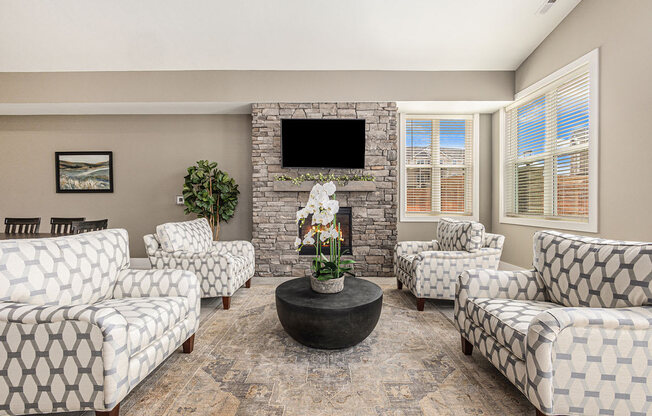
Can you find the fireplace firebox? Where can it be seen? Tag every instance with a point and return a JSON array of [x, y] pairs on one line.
[[344, 220]]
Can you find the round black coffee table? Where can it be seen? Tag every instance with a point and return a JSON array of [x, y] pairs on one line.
[[330, 321]]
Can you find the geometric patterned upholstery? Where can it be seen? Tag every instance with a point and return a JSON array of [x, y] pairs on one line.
[[431, 273], [72, 270], [190, 236], [567, 360], [148, 318], [74, 356], [460, 235], [506, 320], [222, 270], [585, 271]]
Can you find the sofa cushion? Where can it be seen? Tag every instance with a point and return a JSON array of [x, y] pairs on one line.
[[458, 235], [71, 270], [593, 272], [148, 318], [189, 236], [506, 320]]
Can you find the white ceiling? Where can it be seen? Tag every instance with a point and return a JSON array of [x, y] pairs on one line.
[[124, 35]]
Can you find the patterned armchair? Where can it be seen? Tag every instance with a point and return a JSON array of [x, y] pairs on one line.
[[79, 329], [222, 266], [574, 334], [430, 268]]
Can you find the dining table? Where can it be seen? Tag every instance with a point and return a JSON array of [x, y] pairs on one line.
[[23, 236]]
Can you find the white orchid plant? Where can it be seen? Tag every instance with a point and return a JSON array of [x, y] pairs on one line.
[[325, 232]]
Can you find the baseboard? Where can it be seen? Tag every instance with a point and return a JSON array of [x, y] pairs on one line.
[[140, 263], [508, 266]]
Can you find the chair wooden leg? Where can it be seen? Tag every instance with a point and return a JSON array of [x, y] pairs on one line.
[[421, 302], [189, 344], [248, 284], [113, 412], [399, 284], [467, 347], [226, 302]]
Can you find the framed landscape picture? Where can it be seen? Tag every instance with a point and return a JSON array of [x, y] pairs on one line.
[[84, 171]]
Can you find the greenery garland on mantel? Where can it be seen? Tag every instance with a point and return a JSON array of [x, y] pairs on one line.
[[331, 177]]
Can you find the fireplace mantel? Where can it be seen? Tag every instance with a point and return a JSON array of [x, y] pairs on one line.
[[356, 186]]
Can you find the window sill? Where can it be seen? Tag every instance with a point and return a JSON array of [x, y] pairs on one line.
[[589, 227], [435, 218]]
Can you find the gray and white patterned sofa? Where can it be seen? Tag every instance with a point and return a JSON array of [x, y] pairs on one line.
[[574, 334], [79, 329], [430, 268], [222, 266]]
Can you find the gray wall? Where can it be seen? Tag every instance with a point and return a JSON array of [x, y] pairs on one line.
[[408, 231], [622, 31], [255, 86], [150, 157]]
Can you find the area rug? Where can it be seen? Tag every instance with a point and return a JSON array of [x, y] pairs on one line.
[[245, 364]]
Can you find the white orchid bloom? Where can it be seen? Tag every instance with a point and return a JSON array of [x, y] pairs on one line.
[[324, 236], [317, 189], [297, 242], [327, 218], [308, 240], [329, 188], [302, 214], [332, 206], [311, 207]]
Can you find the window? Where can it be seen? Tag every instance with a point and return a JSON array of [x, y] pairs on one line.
[[549, 151], [438, 166]]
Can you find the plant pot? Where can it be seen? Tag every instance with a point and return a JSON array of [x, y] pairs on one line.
[[327, 286]]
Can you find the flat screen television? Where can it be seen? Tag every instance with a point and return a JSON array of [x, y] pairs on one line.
[[323, 143]]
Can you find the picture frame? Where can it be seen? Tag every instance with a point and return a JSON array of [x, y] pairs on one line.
[[84, 172]]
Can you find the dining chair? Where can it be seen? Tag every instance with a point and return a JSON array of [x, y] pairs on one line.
[[22, 225], [79, 227], [63, 226]]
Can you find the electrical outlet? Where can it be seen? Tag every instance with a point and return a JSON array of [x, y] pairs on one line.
[[179, 199]]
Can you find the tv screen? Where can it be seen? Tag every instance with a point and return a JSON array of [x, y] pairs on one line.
[[331, 143]]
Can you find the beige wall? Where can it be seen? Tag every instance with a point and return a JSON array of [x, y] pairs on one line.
[[150, 156], [622, 31], [411, 231], [255, 86]]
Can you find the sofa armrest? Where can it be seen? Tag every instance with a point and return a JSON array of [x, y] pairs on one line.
[[236, 247], [517, 285], [134, 283], [415, 247], [151, 244], [494, 240], [576, 354], [452, 255], [482, 283], [97, 335]]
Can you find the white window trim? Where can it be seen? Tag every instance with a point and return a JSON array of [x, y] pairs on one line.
[[592, 60], [403, 216]]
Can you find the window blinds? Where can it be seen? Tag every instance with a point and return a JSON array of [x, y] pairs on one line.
[[438, 161], [546, 160]]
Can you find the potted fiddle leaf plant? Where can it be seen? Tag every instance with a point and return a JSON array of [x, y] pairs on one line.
[[327, 270], [210, 193]]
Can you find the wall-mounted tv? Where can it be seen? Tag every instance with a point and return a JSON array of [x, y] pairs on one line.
[[323, 143]]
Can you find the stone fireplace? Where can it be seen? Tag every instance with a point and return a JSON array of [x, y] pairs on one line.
[[345, 223], [373, 205]]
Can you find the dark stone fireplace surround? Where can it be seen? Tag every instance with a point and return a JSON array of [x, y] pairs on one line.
[[374, 212]]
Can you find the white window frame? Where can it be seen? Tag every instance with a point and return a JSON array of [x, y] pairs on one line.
[[592, 60], [403, 215]]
